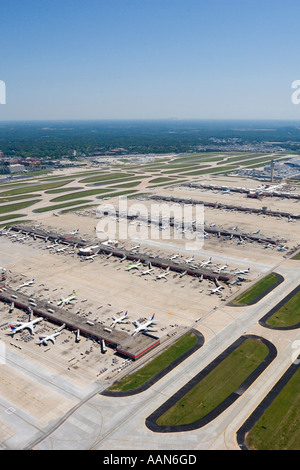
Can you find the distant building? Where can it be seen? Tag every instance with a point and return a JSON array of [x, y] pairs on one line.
[[17, 168]]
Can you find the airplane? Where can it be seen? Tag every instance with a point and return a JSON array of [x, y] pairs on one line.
[[268, 246], [22, 325], [163, 276], [218, 270], [134, 266], [123, 259], [51, 246], [44, 339], [25, 284], [144, 327], [55, 215], [183, 274], [61, 250], [225, 191], [202, 265], [91, 257], [74, 232], [119, 320], [149, 271], [135, 247], [63, 301], [190, 259], [243, 272], [282, 248], [256, 233], [173, 257], [215, 291]]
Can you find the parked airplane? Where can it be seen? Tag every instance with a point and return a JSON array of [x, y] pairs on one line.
[[91, 257], [24, 325], [44, 339], [215, 291], [135, 247], [282, 248], [134, 266], [61, 250], [243, 272], [173, 257], [51, 246], [218, 270], [256, 233], [25, 284], [119, 320], [148, 271], [164, 275], [190, 259], [74, 232], [144, 326], [225, 191], [206, 263], [63, 301], [183, 274]]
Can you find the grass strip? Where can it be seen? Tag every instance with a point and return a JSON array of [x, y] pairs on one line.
[[217, 385]]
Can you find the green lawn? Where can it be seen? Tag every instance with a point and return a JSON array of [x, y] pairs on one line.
[[279, 426], [288, 315], [258, 289], [56, 207], [163, 360], [33, 188], [217, 385], [17, 206]]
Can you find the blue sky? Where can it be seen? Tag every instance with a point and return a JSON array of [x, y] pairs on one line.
[[149, 59]]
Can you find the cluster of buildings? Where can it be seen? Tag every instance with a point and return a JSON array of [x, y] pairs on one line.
[[276, 170]]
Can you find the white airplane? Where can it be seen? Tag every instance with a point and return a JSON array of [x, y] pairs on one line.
[[135, 247], [243, 272], [190, 259], [256, 233], [268, 246], [51, 246], [173, 257], [119, 320], [44, 339], [144, 326], [74, 232], [205, 263], [61, 250], [25, 284], [215, 291], [134, 266], [218, 270], [22, 325], [148, 271], [91, 257], [55, 215], [163, 276], [183, 274], [63, 301]]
